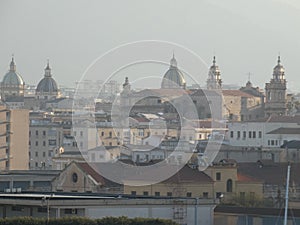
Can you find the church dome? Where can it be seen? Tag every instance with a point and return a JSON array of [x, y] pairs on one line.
[[47, 84], [12, 78], [173, 78]]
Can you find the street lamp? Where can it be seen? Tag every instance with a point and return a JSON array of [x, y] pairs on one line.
[[44, 199]]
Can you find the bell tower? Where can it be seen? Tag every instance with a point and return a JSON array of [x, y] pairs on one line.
[[214, 77], [276, 92]]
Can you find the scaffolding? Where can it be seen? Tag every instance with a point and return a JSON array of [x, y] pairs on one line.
[[180, 212]]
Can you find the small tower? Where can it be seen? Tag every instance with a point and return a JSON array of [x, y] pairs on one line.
[[126, 85], [276, 92], [214, 77]]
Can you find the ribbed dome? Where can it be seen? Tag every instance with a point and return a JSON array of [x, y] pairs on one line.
[[47, 84], [173, 78], [12, 77]]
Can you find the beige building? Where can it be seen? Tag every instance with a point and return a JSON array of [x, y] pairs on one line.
[[187, 182], [45, 138], [108, 135], [14, 129], [240, 106], [231, 184]]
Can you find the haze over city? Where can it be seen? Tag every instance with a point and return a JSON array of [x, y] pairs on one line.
[[245, 36], [149, 112]]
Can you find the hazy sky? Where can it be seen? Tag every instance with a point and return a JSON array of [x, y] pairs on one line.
[[246, 36]]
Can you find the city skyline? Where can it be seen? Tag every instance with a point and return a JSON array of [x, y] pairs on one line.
[[74, 38]]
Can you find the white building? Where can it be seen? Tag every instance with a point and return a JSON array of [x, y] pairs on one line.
[[269, 132]]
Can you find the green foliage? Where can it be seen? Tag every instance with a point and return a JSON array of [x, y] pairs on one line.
[[85, 221]]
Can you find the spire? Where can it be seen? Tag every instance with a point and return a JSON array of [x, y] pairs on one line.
[[48, 67], [214, 61], [278, 61], [173, 62], [12, 64], [48, 70]]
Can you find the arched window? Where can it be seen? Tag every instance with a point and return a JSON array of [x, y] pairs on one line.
[[229, 185]]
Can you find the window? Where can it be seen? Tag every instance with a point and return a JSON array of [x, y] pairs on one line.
[[159, 101], [218, 176], [29, 133], [74, 177], [36, 143], [110, 134], [242, 196], [133, 192], [44, 133], [44, 143], [229, 185], [205, 195], [249, 134], [244, 134], [169, 194], [145, 193], [254, 134], [272, 142], [70, 211], [189, 194], [157, 194], [276, 142], [44, 154], [238, 134], [102, 133], [42, 209], [141, 132], [81, 133], [259, 134], [231, 134], [17, 208], [36, 132], [269, 142], [218, 194], [52, 142]]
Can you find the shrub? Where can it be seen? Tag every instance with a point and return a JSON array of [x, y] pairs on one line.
[[85, 221]]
